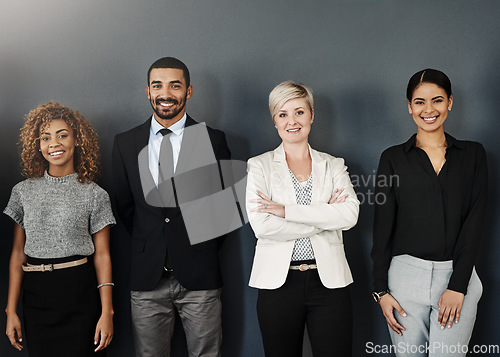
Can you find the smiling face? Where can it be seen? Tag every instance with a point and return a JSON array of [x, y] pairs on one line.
[[293, 121], [429, 107], [168, 93], [57, 145]]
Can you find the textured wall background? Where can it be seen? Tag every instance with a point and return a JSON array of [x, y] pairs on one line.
[[356, 55]]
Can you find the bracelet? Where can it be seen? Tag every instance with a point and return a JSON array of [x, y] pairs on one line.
[[104, 284]]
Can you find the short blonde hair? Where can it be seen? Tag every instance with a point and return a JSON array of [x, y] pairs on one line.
[[285, 91]]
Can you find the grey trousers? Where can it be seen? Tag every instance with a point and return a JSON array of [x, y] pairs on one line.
[[153, 314], [417, 285]]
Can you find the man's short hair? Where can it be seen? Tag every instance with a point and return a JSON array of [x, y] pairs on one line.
[[285, 91], [171, 62]]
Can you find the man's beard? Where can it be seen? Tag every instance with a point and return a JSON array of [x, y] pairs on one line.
[[172, 114]]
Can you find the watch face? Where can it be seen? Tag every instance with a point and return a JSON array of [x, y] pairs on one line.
[[376, 297]]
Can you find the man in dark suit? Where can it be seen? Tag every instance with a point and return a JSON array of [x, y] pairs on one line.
[[168, 272]]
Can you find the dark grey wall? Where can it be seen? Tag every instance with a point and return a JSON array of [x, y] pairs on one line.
[[356, 55]]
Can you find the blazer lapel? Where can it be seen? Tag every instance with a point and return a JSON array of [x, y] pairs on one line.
[[188, 140], [281, 167], [318, 173], [142, 136], [196, 149], [149, 189]]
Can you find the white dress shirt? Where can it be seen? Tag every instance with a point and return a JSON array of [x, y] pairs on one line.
[[154, 144]]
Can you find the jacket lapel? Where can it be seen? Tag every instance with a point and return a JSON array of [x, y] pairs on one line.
[[188, 143], [281, 167], [318, 173], [153, 197], [142, 136]]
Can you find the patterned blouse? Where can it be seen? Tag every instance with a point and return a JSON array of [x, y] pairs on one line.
[[302, 249]]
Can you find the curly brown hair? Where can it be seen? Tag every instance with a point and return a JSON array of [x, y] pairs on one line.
[[87, 155]]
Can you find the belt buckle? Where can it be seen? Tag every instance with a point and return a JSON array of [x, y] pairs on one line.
[[304, 267], [48, 267]]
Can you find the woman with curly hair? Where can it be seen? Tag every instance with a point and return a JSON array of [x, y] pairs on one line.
[[62, 221]]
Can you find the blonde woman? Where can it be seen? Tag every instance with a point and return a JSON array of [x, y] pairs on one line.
[[299, 201]]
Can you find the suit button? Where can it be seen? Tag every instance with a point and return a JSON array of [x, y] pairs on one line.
[[167, 220]]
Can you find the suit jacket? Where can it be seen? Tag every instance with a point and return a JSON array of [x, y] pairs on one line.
[[155, 229], [323, 223]]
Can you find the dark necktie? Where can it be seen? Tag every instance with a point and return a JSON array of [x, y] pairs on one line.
[[166, 161], [165, 179], [166, 170]]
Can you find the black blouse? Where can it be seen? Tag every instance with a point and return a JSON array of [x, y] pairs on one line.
[[429, 216]]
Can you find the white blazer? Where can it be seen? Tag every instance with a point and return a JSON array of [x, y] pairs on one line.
[[323, 223]]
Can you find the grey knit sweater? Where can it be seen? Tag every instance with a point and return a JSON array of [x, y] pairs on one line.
[[59, 215]]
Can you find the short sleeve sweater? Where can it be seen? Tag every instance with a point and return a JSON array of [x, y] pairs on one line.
[[59, 215]]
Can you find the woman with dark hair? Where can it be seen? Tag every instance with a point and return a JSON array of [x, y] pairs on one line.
[[426, 232], [62, 221], [299, 202]]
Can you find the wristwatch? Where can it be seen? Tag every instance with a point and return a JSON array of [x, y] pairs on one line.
[[378, 296]]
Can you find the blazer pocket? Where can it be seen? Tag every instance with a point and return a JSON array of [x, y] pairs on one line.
[[138, 245]]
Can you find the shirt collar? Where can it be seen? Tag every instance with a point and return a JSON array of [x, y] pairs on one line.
[[450, 140], [177, 128]]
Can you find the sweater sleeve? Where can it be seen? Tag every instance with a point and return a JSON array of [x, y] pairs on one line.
[[100, 214], [15, 208]]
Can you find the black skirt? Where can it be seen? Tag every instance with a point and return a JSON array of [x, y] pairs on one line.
[[61, 309]]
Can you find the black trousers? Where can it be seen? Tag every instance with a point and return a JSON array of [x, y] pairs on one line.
[[303, 301]]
